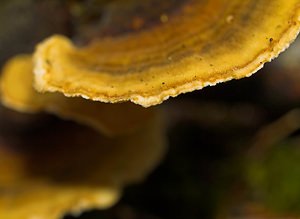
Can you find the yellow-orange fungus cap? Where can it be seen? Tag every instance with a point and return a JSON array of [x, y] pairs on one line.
[[196, 43]]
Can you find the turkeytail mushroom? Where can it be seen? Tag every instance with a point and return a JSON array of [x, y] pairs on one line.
[[143, 56], [195, 44]]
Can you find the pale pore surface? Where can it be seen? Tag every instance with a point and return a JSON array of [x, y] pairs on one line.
[[201, 43], [111, 119]]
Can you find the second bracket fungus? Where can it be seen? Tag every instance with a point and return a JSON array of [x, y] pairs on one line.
[[68, 174], [190, 45], [59, 162]]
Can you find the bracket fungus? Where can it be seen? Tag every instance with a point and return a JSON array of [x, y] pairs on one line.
[[66, 175], [195, 44], [141, 54], [75, 174]]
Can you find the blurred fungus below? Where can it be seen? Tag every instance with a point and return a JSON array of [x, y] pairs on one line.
[[118, 51], [76, 175]]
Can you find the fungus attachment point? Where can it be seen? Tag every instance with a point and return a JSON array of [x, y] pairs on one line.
[[197, 44]]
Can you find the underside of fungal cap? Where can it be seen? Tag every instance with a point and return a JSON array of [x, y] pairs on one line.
[[195, 43], [18, 93]]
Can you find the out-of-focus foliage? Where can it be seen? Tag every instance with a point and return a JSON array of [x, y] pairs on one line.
[[275, 180]]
